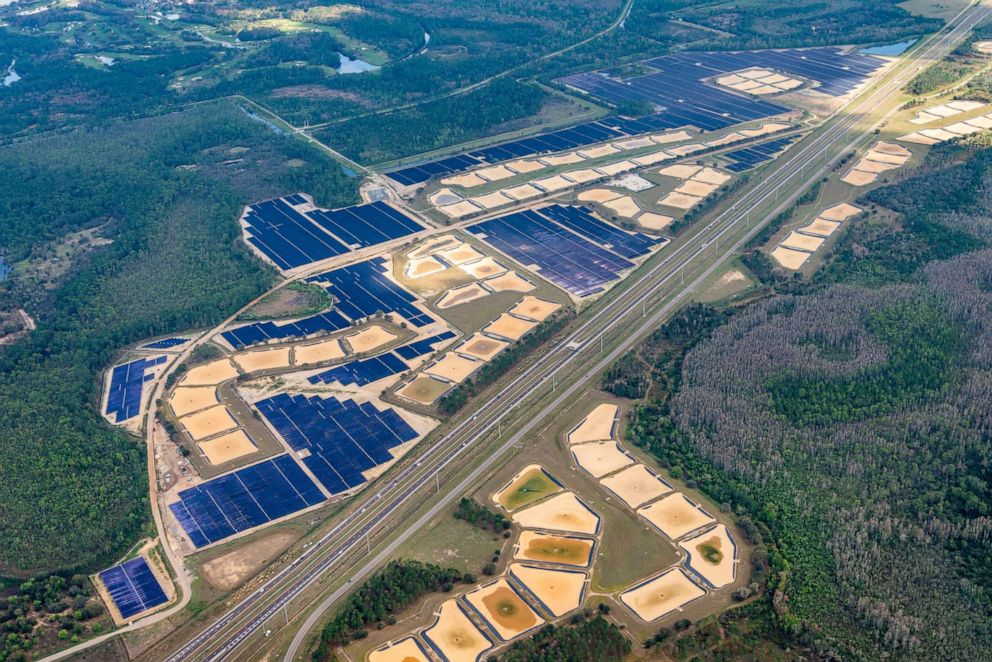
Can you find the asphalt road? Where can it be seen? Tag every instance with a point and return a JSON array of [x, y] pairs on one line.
[[791, 174]]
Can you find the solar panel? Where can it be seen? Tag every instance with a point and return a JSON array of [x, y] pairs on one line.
[[126, 385], [166, 343], [133, 587]]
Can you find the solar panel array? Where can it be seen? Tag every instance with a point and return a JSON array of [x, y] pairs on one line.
[[244, 499], [126, 384], [361, 290], [573, 249], [366, 371], [343, 438], [681, 95], [133, 587], [166, 343], [749, 157], [292, 238]]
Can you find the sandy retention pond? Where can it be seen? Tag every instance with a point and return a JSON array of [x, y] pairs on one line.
[[726, 140], [616, 168], [653, 221], [661, 595], [524, 166], [459, 295], [511, 281], [675, 515], [694, 187], [481, 347], [564, 159], [596, 152], [535, 309], [404, 650], [712, 556], [208, 422], [227, 447], [454, 368], [802, 242], [598, 425], [938, 134], [624, 206], [424, 390], [710, 175], [876, 167], [546, 548], [210, 374], [581, 176], [465, 181], [882, 157], [492, 200], [558, 591], [559, 513], [598, 195], [424, 266], [454, 637], [789, 258], [266, 359], [444, 196], [600, 458], [461, 254], [674, 137], [917, 139], [680, 200], [652, 157], [433, 245], [859, 178], [509, 327], [982, 122], [553, 183], [459, 209], [636, 485], [522, 192], [764, 129], [840, 212], [503, 609], [483, 268], [186, 400], [369, 338], [495, 173], [634, 143], [821, 227], [531, 484], [327, 350]]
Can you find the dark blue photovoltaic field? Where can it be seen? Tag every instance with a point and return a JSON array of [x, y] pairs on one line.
[[573, 249], [133, 587], [366, 371], [165, 343], [126, 384], [361, 290], [679, 92], [292, 238], [343, 438], [749, 157], [243, 499]]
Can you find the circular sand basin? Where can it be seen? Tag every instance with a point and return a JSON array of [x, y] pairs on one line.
[[424, 390], [186, 400], [636, 485], [454, 637], [460, 295], [600, 458], [598, 425], [534, 308], [208, 422], [511, 281], [369, 338], [675, 515], [482, 347], [503, 609], [662, 595], [327, 350], [405, 650], [210, 374], [531, 484], [266, 359], [713, 556], [509, 327], [227, 447], [546, 548], [558, 591], [564, 512]]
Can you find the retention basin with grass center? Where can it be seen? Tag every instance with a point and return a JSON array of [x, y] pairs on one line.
[[531, 484], [713, 556], [546, 548]]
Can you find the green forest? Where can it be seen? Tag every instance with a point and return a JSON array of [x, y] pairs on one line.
[[166, 192], [843, 420]]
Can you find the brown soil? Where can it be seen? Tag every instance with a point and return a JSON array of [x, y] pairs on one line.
[[230, 570]]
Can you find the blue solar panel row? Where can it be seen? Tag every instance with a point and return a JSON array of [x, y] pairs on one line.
[[565, 258], [343, 438], [133, 587], [749, 157], [166, 343], [362, 290], [580, 220], [249, 334], [291, 238], [126, 384], [366, 371], [244, 499]]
